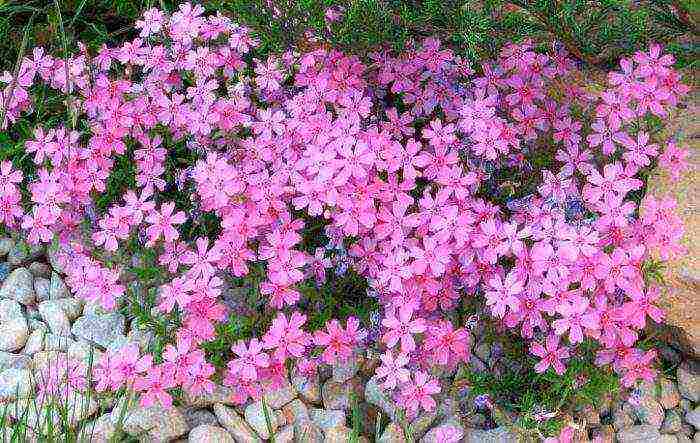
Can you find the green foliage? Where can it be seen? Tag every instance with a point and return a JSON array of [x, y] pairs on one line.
[[583, 383]]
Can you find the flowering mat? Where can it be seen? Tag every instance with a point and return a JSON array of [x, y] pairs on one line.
[[319, 247]]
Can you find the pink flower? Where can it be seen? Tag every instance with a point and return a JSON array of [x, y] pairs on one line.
[[338, 342], [503, 293], [576, 316], [392, 370], [153, 387], [402, 328], [286, 337], [249, 359], [418, 394], [551, 354], [162, 223]]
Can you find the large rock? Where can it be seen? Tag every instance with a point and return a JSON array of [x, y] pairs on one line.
[[154, 422], [13, 326], [19, 286], [58, 288], [101, 329], [681, 299]]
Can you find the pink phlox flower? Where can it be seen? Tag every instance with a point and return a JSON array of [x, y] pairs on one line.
[[419, 394], [392, 369], [576, 316], [402, 328], [502, 293], [551, 354]]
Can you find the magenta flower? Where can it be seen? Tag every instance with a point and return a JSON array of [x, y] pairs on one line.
[[392, 370], [576, 316], [418, 395], [402, 328], [551, 355], [162, 223]]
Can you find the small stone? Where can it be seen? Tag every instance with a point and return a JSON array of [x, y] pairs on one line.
[[306, 431], [689, 380], [234, 424], [80, 407], [58, 288], [101, 329], [44, 359], [392, 434], [638, 434], [15, 384], [672, 423], [285, 435], [209, 434], [326, 419], [13, 326], [39, 269], [14, 361], [6, 245], [18, 254], [99, 430], [693, 417], [196, 417], [295, 411], [649, 411], [4, 271], [255, 416], [221, 394], [41, 288], [19, 286], [73, 307], [309, 389], [280, 397], [669, 397], [55, 317], [35, 342], [82, 350]]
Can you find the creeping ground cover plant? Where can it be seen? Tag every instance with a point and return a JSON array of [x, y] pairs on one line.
[[397, 167]]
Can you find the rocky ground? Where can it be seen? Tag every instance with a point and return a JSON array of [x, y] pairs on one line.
[[39, 319]]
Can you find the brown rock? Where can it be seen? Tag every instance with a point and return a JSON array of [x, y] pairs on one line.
[[681, 299]]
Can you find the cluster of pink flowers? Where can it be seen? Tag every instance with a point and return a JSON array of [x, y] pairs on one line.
[[393, 153]]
